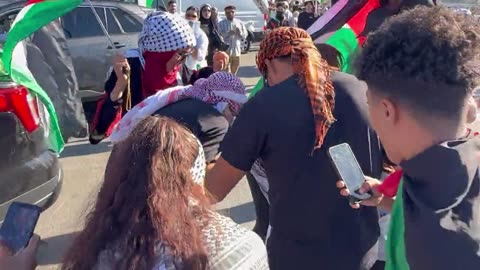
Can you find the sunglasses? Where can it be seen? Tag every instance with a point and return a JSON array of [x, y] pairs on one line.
[[191, 16], [207, 10]]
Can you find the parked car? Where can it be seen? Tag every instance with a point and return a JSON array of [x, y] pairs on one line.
[[91, 52], [29, 171], [253, 13]]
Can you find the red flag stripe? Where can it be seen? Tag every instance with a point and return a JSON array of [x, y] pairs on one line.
[[30, 2], [358, 21]]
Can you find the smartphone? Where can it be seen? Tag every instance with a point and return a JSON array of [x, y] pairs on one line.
[[348, 170], [19, 225]]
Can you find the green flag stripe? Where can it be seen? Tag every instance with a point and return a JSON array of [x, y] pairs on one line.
[[150, 3], [345, 41], [32, 18], [395, 246], [20, 74]]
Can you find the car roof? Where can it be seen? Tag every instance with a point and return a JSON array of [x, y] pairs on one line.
[[133, 8], [97, 2]]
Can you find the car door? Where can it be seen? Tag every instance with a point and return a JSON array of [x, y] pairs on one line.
[[91, 51], [130, 26], [89, 47]]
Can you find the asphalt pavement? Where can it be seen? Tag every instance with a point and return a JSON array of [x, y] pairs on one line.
[[83, 167]]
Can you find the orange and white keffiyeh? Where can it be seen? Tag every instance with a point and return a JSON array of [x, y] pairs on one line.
[[312, 69]]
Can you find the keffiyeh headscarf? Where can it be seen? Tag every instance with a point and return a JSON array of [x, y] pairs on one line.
[[165, 32], [199, 165], [313, 72], [221, 90]]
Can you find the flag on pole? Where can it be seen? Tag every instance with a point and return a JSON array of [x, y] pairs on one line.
[[35, 15], [342, 27], [345, 25]]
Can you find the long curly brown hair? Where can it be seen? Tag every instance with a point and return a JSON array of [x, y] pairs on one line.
[[146, 199]]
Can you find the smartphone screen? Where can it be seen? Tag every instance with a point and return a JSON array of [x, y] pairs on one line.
[[348, 170], [19, 224]]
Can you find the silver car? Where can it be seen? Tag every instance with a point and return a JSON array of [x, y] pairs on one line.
[[92, 55]]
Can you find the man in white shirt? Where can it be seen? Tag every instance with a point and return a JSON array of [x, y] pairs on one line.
[[233, 31]]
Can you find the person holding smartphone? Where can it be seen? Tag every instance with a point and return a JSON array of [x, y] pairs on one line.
[[25, 259], [303, 109], [419, 109]]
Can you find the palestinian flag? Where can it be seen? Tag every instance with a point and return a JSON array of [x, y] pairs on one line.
[[342, 27], [35, 15], [146, 3]]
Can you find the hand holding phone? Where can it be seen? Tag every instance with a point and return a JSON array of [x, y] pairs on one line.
[[349, 171], [25, 259], [19, 225]]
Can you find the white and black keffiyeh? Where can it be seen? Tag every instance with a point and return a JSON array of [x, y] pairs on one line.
[[199, 166], [165, 32]]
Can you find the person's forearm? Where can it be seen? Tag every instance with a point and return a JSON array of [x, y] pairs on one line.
[[386, 204], [221, 179], [118, 90]]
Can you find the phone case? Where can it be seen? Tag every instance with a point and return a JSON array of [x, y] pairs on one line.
[[354, 196]]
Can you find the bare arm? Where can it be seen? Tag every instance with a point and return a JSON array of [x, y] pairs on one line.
[[221, 179]]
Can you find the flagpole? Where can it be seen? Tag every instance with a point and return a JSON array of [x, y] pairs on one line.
[[104, 29]]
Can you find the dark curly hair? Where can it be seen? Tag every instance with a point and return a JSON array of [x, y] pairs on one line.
[[427, 59]]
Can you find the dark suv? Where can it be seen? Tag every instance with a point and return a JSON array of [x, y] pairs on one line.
[[29, 171]]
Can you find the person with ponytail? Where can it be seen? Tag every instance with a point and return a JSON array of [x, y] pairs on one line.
[[304, 108]]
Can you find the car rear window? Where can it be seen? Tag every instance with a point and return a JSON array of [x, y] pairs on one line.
[[128, 22], [81, 23]]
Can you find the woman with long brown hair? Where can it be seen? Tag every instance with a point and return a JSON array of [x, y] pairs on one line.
[[152, 212]]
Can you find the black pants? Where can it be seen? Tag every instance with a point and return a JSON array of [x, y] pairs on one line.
[[261, 207], [379, 265]]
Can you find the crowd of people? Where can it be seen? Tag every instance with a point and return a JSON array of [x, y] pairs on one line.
[[185, 132]]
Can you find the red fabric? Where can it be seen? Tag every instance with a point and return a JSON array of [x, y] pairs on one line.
[[358, 21], [155, 76], [98, 113], [389, 186], [33, 2]]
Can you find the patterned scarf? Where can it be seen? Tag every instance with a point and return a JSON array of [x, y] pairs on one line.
[[313, 72], [221, 90], [165, 32]]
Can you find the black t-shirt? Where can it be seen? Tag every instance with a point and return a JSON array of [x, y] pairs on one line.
[[307, 213], [305, 20], [203, 120]]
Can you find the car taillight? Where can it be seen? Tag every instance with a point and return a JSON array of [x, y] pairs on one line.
[[17, 100], [265, 21]]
